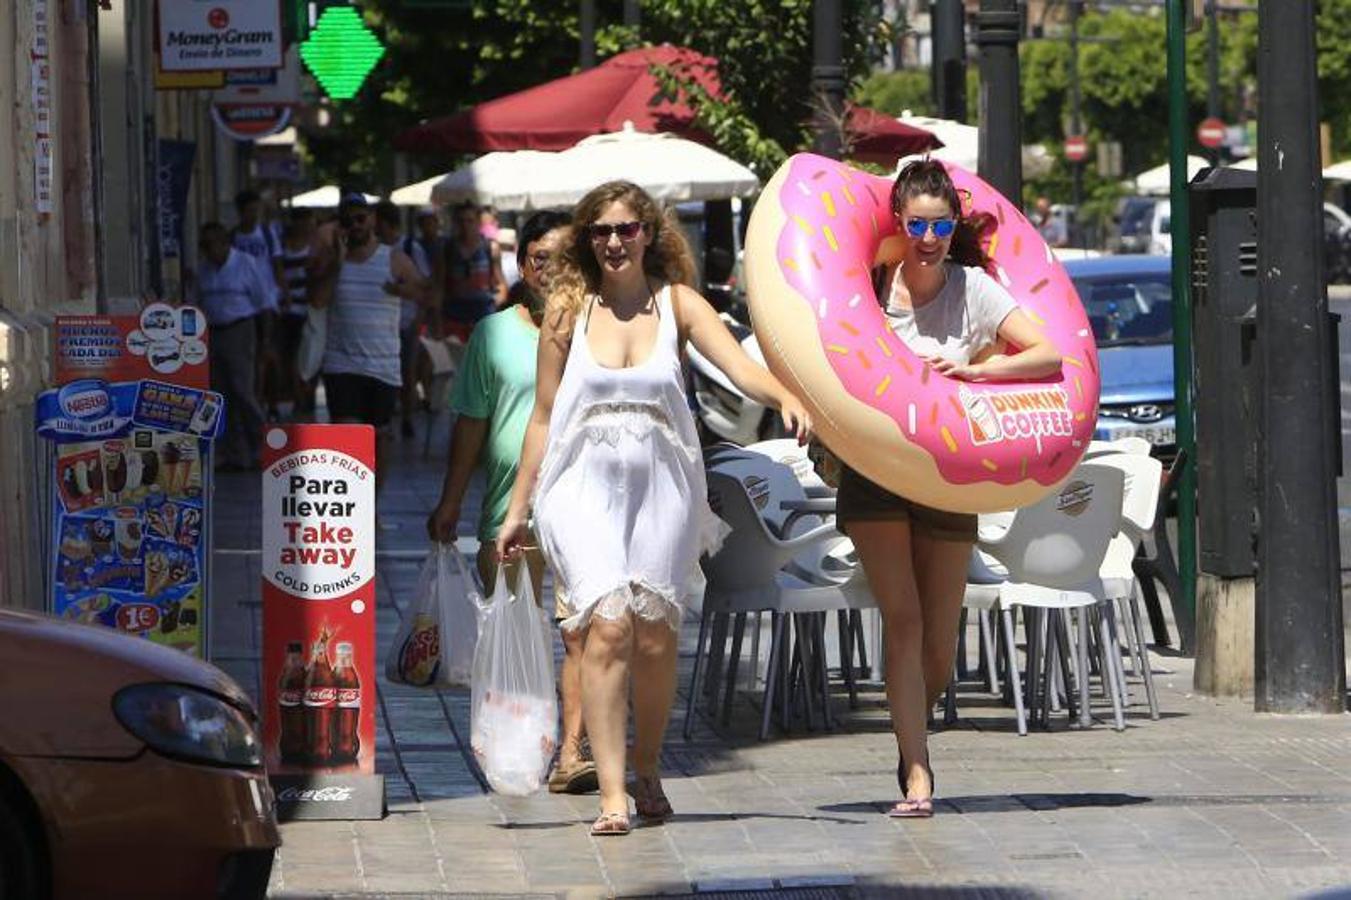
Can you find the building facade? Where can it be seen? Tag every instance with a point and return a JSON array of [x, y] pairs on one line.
[[78, 211]]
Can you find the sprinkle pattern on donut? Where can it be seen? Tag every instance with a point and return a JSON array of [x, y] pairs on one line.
[[1000, 432]]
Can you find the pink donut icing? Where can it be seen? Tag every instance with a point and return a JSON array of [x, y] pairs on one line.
[[977, 434]]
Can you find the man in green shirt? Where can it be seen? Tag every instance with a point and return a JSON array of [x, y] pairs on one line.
[[493, 395]]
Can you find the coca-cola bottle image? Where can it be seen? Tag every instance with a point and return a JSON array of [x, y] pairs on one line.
[[347, 721], [321, 704], [291, 700]]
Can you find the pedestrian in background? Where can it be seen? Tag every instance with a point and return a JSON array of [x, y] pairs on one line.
[[493, 395], [233, 290], [1052, 229], [612, 462], [474, 285], [260, 238], [389, 229], [298, 260], [361, 370]]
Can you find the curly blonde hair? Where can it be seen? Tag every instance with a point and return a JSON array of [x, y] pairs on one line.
[[576, 275]]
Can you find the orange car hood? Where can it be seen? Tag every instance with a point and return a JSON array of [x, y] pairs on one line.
[[57, 681]]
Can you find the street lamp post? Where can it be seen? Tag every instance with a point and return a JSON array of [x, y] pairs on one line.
[[587, 27], [949, 58], [828, 77], [1299, 664], [1001, 140], [1213, 70], [1076, 121]]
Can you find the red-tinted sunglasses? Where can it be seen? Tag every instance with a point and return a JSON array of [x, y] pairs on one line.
[[627, 231]]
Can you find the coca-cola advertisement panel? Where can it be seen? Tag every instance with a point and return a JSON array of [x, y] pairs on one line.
[[318, 573]]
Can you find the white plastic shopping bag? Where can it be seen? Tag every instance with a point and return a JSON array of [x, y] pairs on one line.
[[434, 646], [313, 342], [514, 714]]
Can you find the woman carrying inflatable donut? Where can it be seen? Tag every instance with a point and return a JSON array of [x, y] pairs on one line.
[[621, 506], [941, 302]]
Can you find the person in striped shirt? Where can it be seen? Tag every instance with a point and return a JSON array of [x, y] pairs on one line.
[[361, 370]]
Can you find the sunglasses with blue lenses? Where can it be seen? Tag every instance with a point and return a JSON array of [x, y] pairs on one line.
[[942, 228]]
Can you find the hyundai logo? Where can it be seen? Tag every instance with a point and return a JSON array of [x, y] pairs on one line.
[[1146, 412]]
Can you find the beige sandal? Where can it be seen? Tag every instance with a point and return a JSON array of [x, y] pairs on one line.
[[611, 823]]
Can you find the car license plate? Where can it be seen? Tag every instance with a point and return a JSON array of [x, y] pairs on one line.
[[1162, 435]]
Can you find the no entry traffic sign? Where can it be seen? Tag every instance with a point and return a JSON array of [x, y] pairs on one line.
[[1076, 147], [1210, 132]]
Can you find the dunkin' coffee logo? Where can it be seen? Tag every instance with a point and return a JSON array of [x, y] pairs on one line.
[[338, 794], [994, 416], [1074, 498]]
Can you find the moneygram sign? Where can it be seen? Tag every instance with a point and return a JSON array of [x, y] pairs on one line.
[[198, 35]]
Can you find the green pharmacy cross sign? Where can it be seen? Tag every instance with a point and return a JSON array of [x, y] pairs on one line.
[[341, 52]]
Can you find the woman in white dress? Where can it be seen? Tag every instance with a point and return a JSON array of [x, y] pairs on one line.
[[613, 465]]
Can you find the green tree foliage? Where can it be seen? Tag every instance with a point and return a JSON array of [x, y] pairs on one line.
[[895, 92], [1334, 71], [440, 61]]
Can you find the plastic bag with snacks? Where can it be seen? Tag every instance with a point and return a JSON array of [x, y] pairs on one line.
[[514, 714], [434, 646]]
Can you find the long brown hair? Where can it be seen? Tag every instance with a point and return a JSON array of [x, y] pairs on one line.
[[668, 258], [927, 177]]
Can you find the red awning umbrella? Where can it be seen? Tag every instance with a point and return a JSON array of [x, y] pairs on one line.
[[875, 137], [558, 114]]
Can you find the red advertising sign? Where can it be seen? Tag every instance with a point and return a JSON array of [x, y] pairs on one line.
[[318, 571], [163, 343]]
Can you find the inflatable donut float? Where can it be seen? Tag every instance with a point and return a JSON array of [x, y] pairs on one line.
[[973, 447]]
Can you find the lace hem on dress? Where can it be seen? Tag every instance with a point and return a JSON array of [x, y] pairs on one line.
[[648, 602]]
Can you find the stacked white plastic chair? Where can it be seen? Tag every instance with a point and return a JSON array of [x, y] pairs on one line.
[[1051, 554], [772, 524]]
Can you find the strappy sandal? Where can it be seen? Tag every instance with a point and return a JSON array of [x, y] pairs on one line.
[[912, 809], [610, 824], [649, 798]]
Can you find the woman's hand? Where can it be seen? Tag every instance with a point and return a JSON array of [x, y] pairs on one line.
[[796, 419], [512, 537], [962, 372]]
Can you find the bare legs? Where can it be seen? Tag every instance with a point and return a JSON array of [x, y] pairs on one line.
[[918, 583], [617, 650], [570, 686]]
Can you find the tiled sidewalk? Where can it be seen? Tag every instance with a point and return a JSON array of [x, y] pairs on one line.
[[1211, 800]]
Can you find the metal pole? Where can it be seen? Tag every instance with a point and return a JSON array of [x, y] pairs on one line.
[[587, 27], [1076, 121], [1213, 70], [828, 77], [1178, 139], [1001, 139], [949, 58], [633, 13], [1300, 666]]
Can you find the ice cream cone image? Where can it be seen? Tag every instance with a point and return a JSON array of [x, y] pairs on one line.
[[156, 573]]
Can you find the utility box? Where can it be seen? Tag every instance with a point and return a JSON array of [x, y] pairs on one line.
[[1224, 309]]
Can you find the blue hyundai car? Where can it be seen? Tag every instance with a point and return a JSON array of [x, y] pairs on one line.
[[1129, 300]]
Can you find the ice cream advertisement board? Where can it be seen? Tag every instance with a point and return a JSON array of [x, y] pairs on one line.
[[131, 423]]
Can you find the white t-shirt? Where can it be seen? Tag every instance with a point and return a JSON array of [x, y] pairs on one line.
[[959, 322]]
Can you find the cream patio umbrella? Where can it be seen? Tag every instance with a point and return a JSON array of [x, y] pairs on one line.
[[325, 197], [417, 194], [671, 169], [1155, 181]]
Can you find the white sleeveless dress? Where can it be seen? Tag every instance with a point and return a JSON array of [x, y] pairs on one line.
[[621, 508]]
